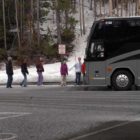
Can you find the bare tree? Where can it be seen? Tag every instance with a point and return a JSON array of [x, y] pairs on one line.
[[83, 17], [21, 19], [58, 22], [100, 3], [139, 7], [94, 10], [129, 5], [38, 23], [4, 24], [121, 7], [90, 4], [110, 8], [117, 7], [17, 23], [80, 16], [32, 22]]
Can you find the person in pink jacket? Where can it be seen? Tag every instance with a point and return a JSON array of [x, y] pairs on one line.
[[64, 73]]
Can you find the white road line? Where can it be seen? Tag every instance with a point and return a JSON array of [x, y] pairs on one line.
[[12, 136], [102, 130], [12, 114]]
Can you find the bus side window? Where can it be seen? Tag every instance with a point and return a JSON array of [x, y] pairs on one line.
[[100, 51], [93, 50], [97, 50]]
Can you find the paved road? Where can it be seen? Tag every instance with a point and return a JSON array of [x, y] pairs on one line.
[[117, 131], [71, 113]]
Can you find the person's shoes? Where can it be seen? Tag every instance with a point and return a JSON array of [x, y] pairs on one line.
[[9, 87]]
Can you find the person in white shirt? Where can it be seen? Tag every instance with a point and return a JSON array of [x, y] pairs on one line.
[[77, 67]]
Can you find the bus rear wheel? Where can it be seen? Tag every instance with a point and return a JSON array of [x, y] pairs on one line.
[[122, 80]]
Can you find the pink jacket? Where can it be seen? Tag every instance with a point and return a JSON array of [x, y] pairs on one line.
[[64, 69]]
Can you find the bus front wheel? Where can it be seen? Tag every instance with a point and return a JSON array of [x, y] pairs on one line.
[[122, 80]]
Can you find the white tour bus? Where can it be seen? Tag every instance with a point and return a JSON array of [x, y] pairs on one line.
[[112, 55]]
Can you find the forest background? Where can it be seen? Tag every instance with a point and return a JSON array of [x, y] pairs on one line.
[[34, 28]]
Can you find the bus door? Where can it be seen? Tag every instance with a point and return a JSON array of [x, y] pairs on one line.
[[96, 65]]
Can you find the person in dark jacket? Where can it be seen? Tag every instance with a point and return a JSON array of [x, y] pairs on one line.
[[40, 70], [64, 73], [24, 71], [9, 72]]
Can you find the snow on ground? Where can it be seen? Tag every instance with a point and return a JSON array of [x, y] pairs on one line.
[[52, 71]]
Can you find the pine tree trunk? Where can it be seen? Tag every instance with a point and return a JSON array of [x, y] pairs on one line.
[[94, 10], [38, 24], [90, 5], [4, 24], [53, 4], [58, 23], [21, 19], [139, 7], [100, 7], [83, 17], [104, 11], [121, 7], [129, 8], [80, 16], [23, 14], [17, 23], [117, 7], [32, 22], [66, 19], [110, 8], [125, 7]]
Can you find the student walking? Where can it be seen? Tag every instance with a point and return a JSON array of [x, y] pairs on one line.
[[77, 67], [9, 72], [24, 71], [64, 73], [40, 70]]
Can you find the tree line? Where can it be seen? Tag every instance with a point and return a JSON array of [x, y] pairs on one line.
[[21, 20]]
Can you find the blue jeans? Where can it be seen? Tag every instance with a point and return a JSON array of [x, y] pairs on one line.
[[9, 80], [40, 78], [78, 78], [24, 82]]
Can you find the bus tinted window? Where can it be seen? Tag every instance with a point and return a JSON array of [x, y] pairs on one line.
[[97, 50], [99, 31], [133, 30], [117, 36], [114, 30]]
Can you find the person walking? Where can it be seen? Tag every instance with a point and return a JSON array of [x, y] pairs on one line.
[[40, 70], [9, 72], [24, 71], [77, 67], [63, 72]]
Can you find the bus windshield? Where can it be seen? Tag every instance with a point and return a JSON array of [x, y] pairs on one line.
[[112, 36]]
